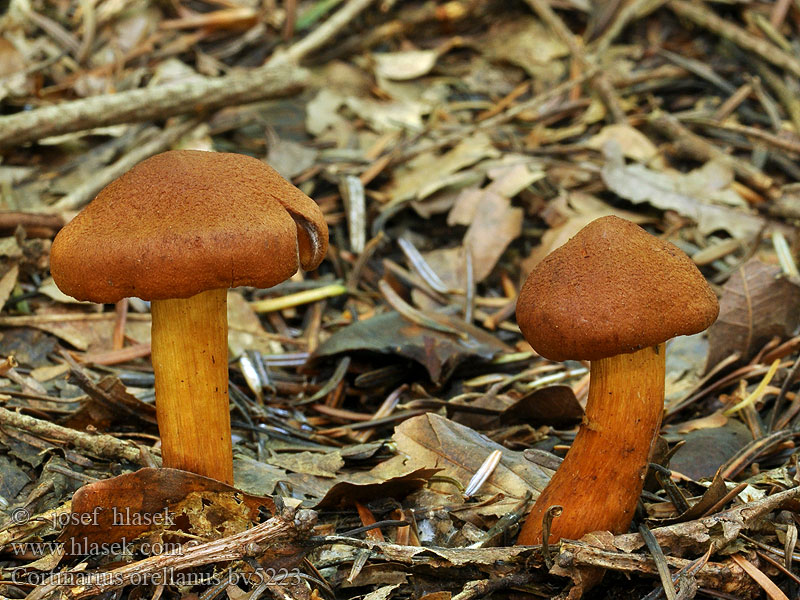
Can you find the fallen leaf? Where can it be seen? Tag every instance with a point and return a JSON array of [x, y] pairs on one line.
[[10, 247], [13, 479], [31, 347], [83, 334], [110, 403], [510, 179], [554, 405], [495, 224], [290, 158], [715, 492], [406, 64], [14, 79], [382, 593], [245, 331], [396, 477], [686, 359], [757, 304], [49, 288], [121, 508], [465, 206], [633, 143], [389, 116], [440, 353], [687, 194], [325, 464], [527, 43], [423, 176], [7, 283], [436, 442], [705, 450], [712, 421], [322, 112]]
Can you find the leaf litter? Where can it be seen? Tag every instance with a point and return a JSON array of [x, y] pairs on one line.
[[483, 135]]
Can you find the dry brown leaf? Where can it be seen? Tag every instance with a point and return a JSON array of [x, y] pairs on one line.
[[124, 507], [245, 331], [396, 477], [110, 403], [464, 208], [290, 158], [438, 351], [436, 442], [704, 450], [7, 283], [757, 304], [405, 64], [322, 112], [510, 179], [424, 175], [49, 288], [14, 80], [634, 144], [311, 463], [82, 334], [389, 116], [712, 421], [495, 224], [688, 194], [554, 405], [715, 492], [530, 44]]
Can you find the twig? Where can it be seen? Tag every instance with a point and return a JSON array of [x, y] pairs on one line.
[[322, 34], [600, 82], [770, 139], [140, 151], [196, 95], [492, 123], [99, 445], [718, 576], [482, 588], [699, 149], [34, 224], [699, 14], [782, 394], [629, 12], [785, 96], [278, 537]]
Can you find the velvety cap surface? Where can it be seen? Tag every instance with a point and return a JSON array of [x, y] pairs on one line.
[[612, 289], [187, 221]]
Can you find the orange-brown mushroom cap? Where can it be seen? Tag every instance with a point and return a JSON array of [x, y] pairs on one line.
[[612, 289], [187, 221]]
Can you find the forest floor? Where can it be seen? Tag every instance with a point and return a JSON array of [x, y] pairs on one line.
[[450, 146]]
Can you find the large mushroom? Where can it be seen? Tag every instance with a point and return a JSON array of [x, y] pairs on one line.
[[613, 295], [179, 229]]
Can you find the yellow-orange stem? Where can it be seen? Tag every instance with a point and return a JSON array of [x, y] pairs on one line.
[[601, 478], [190, 360]]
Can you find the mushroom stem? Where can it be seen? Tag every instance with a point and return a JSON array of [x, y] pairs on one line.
[[601, 478], [190, 361]]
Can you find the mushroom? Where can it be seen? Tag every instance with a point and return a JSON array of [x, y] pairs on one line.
[[179, 229], [613, 295]]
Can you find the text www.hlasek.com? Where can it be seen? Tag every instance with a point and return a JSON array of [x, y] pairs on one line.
[[166, 576], [76, 547]]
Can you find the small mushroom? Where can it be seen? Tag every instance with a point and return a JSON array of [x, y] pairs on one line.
[[179, 229], [613, 295]]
